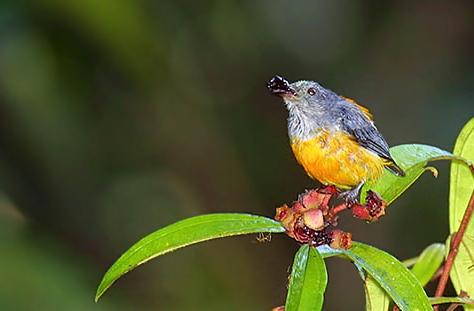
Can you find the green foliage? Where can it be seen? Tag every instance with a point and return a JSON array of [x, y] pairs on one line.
[[399, 283], [376, 299], [308, 281], [389, 273], [461, 188], [413, 159], [184, 233], [385, 278], [428, 263], [440, 300]]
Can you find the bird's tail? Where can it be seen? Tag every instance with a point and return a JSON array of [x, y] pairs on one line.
[[395, 169]]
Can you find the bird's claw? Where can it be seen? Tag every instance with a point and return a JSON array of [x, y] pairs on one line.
[[352, 196]]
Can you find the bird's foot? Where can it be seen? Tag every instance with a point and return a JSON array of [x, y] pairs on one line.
[[352, 196]]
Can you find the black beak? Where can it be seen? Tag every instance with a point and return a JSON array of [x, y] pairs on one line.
[[279, 86]]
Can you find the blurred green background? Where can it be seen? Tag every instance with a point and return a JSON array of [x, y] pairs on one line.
[[118, 117]]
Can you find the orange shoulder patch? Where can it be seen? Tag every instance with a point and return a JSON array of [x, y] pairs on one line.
[[364, 110]]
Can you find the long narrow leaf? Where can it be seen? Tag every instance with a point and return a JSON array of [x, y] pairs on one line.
[[413, 159], [327, 251], [428, 263], [307, 282], [461, 187], [183, 233], [376, 299], [399, 283], [442, 300]]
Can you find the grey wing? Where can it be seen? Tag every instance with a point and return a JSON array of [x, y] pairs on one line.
[[355, 123]]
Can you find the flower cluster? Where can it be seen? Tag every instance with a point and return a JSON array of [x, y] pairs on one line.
[[308, 219]]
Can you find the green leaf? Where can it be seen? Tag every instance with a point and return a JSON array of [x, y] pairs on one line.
[[327, 251], [428, 263], [410, 262], [441, 300], [183, 233], [307, 282], [461, 188], [376, 299], [399, 283], [413, 159]]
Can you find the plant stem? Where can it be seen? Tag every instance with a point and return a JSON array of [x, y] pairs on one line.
[[455, 246], [337, 209]]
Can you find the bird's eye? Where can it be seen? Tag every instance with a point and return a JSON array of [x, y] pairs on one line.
[[311, 91]]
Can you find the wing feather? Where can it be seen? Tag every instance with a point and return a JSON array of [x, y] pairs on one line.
[[355, 122]]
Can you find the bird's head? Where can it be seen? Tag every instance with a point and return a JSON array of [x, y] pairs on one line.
[[300, 94]]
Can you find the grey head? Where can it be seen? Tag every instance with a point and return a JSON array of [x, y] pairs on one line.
[[301, 93], [310, 105]]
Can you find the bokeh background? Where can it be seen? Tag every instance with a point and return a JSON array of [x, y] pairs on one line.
[[118, 117]]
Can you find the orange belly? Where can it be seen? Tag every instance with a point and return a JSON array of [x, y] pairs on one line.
[[336, 159]]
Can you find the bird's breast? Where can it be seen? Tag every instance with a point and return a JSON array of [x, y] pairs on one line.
[[334, 157]]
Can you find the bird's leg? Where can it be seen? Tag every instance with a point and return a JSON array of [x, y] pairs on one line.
[[352, 196]]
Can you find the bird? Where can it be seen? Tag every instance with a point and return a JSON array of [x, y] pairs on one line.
[[333, 138]]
